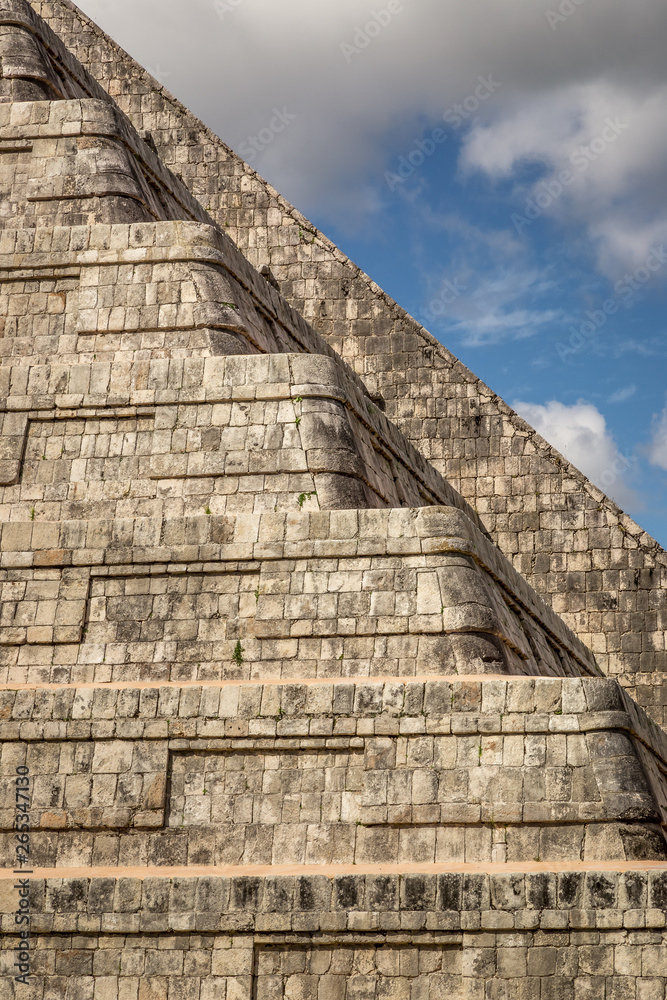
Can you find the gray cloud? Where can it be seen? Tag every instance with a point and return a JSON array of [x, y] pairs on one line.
[[354, 110]]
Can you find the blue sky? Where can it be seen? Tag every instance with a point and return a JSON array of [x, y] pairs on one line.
[[498, 166]]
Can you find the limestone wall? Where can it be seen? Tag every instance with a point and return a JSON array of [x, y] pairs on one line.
[[80, 162], [597, 568], [462, 936], [36, 66], [96, 322], [135, 292], [377, 592], [174, 437], [483, 770]]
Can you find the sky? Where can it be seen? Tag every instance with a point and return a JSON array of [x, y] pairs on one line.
[[499, 167]]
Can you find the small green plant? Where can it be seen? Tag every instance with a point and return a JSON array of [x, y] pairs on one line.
[[479, 751], [341, 656], [559, 711], [297, 421], [298, 399], [32, 513], [207, 509], [237, 656], [301, 499], [257, 593]]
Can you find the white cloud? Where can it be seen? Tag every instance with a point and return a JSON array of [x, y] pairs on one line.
[[493, 310], [556, 90], [657, 450], [608, 139], [580, 433], [623, 394]]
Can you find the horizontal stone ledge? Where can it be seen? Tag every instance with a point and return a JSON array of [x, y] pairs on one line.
[[553, 704], [204, 732], [168, 873], [548, 704], [212, 385], [332, 898], [273, 682], [430, 535]]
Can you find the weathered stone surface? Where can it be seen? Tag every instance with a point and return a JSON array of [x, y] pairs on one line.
[[300, 594], [597, 568], [248, 425], [340, 772], [452, 935]]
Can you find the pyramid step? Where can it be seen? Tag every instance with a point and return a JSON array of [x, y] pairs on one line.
[[396, 592], [230, 434], [396, 772]]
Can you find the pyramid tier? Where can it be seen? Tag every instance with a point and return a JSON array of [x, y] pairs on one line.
[[343, 772], [329, 594]]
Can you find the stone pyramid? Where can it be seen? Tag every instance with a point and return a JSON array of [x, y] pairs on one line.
[[280, 716]]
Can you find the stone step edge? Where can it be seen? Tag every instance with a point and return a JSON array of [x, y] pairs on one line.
[[333, 870], [286, 681]]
